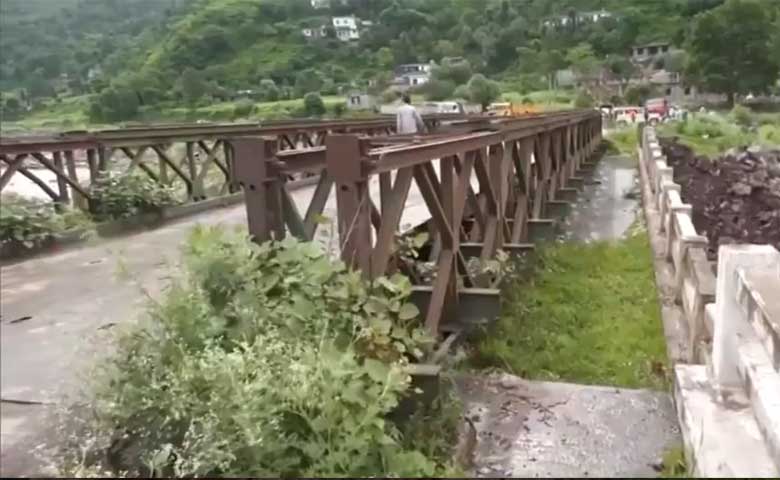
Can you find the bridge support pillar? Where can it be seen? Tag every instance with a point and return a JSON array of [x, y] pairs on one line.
[[262, 187]]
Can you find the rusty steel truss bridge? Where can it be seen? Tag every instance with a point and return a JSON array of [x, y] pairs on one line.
[[487, 184]]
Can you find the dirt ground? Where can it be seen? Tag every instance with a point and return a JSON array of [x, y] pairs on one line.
[[735, 197]]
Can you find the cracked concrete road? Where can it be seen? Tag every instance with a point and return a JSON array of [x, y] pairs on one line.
[[546, 429]]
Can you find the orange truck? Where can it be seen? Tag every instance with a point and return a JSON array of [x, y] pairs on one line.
[[508, 109]]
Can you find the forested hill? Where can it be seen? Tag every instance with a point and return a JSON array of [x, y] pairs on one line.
[[152, 47]]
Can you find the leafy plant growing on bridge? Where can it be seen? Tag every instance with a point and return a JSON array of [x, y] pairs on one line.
[[115, 197], [263, 360]]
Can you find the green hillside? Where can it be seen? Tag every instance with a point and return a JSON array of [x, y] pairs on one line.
[[131, 55]]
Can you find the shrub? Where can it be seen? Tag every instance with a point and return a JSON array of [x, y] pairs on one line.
[[268, 90], [742, 116], [313, 104], [462, 92], [584, 100], [30, 222], [437, 90], [339, 109], [769, 135], [482, 90], [128, 195], [263, 360], [636, 95], [390, 95], [243, 108]]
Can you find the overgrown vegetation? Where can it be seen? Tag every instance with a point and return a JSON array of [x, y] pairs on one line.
[[588, 313], [263, 360], [30, 222], [624, 141], [122, 196], [713, 133]]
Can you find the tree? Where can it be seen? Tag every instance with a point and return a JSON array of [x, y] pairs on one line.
[[584, 100], [308, 80], [385, 58], [39, 87], [637, 95], [730, 49], [437, 89], [462, 92], [622, 68], [550, 61], [11, 107], [583, 60], [482, 90], [457, 71], [114, 104], [268, 90], [192, 85], [313, 104], [445, 48], [675, 61]]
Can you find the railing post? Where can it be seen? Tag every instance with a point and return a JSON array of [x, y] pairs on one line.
[[261, 187], [728, 314], [92, 162], [62, 185], [344, 163]]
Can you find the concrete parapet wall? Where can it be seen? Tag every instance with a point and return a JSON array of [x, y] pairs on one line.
[[685, 248], [728, 397]]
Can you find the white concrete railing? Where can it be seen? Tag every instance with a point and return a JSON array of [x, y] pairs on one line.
[[685, 249], [746, 344], [729, 410]]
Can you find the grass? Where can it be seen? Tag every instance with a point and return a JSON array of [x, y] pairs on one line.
[[587, 314], [674, 463], [546, 99], [712, 134], [625, 140], [71, 114]]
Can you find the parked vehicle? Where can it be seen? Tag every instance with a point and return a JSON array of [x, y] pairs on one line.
[[628, 115], [657, 108], [507, 109]]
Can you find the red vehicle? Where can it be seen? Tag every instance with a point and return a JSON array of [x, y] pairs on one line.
[[657, 107]]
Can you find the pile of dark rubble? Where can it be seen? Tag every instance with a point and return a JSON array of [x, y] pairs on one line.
[[735, 197]]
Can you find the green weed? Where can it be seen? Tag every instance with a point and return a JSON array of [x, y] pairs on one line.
[[674, 464], [588, 313], [264, 360], [624, 141]]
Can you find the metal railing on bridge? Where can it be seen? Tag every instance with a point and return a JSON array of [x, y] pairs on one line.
[[169, 154]]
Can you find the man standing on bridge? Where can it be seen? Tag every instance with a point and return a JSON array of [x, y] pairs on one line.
[[407, 119]]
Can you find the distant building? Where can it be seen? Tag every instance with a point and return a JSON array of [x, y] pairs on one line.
[[411, 75], [314, 32], [650, 51], [320, 4], [346, 28], [94, 73], [560, 21], [360, 101]]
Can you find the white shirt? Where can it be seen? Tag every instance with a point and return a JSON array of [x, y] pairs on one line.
[[407, 120]]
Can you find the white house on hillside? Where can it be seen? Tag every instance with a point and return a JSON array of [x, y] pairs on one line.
[[579, 18], [346, 28], [320, 4], [314, 32], [411, 75]]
